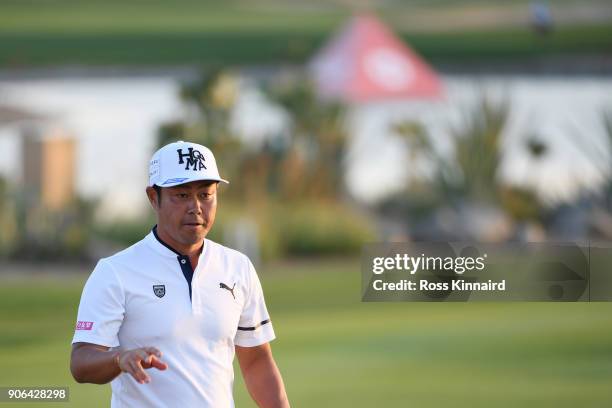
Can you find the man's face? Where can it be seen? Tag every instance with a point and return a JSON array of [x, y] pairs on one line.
[[186, 212]]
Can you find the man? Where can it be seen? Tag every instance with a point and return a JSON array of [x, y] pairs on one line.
[[162, 319]]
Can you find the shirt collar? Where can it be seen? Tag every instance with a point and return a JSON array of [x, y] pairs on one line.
[[163, 248]]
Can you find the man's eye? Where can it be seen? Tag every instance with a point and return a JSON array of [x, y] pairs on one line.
[[181, 195], [205, 195]]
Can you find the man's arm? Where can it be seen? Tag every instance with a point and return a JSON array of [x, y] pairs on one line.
[[261, 376], [92, 363]]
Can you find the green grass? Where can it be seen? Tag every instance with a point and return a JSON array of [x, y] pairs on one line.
[[40, 33], [335, 351]]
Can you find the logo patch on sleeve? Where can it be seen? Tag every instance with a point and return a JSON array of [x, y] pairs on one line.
[[84, 325]]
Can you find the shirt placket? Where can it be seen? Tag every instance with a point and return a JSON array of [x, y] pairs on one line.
[[188, 273]]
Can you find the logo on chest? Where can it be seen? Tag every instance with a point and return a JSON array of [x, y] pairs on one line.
[[159, 290], [230, 290]]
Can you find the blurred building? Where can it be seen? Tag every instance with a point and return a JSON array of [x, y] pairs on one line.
[[48, 168], [43, 154], [113, 121]]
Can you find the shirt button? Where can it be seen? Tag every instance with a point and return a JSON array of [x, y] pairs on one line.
[[183, 261]]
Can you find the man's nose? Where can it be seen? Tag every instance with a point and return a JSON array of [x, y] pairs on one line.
[[195, 206]]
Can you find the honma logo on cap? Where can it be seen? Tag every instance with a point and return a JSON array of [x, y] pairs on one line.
[[193, 160], [182, 162]]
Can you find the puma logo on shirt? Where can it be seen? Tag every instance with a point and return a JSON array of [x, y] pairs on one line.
[[224, 286]]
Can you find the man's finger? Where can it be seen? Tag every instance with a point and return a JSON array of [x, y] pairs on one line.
[[146, 363], [153, 361], [138, 372], [136, 361], [157, 363], [142, 354], [141, 373], [153, 350], [132, 369]]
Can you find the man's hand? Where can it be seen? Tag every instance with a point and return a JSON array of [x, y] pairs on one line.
[[136, 361], [93, 363]]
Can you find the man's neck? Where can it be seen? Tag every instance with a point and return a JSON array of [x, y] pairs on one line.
[[192, 251]]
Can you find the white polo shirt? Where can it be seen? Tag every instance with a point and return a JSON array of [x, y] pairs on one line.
[[148, 295]]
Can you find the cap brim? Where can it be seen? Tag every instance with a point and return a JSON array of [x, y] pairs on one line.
[[178, 182]]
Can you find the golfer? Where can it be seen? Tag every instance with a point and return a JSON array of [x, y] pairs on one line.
[[162, 319]]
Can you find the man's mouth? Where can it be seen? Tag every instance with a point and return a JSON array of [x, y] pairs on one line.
[[194, 224]]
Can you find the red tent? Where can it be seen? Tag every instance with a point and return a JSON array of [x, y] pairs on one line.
[[366, 62]]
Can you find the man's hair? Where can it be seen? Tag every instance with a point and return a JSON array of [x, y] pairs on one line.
[[158, 190]]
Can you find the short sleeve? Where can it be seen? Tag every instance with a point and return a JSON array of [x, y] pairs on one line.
[[101, 309], [255, 326]]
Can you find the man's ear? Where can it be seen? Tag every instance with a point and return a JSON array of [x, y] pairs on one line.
[[153, 197]]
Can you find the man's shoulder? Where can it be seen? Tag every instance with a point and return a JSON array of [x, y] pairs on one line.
[[227, 253], [133, 253]]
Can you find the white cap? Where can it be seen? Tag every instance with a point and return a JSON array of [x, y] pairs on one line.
[[182, 162]]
